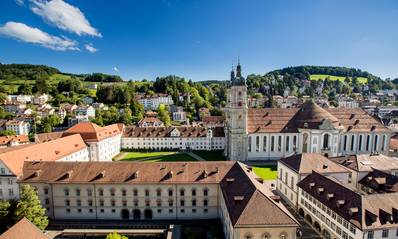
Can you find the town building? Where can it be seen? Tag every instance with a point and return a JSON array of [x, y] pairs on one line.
[[40, 99], [13, 140], [176, 138], [178, 114], [103, 142], [293, 169], [85, 110], [88, 100], [150, 122], [18, 127], [152, 102], [347, 102], [340, 211], [213, 121], [22, 230], [14, 108], [66, 109], [21, 99], [71, 148], [272, 133], [226, 190]]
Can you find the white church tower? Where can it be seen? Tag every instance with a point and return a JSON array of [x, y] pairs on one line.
[[236, 117]]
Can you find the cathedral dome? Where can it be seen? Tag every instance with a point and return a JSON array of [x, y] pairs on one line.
[[312, 116]]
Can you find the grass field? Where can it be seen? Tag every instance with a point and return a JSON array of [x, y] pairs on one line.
[[265, 172], [361, 80], [172, 158], [216, 155], [133, 156]]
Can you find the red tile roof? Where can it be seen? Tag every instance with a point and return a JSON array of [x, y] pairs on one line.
[[23, 229], [14, 138], [185, 131], [91, 132]]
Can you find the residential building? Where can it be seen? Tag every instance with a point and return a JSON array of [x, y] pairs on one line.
[[229, 191], [347, 102], [179, 138], [14, 108], [71, 148], [254, 102], [103, 142], [214, 121], [272, 133], [13, 140], [88, 100], [40, 99], [152, 102], [20, 99], [85, 110], [65, 109], [150, 122], [22, 230], [18, 127]]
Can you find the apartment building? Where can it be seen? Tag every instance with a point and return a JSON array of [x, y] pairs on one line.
[[18, 127], [168, 190], [152, 102]]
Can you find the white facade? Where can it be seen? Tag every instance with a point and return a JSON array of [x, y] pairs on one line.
[[88, 111], [19, 127], [40, 99], [153, 102], [24, 99], [105, 149], [347, 102]]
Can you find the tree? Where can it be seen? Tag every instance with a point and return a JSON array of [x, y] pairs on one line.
[[4, 214], [115, 235], [164, 115], [6, 132], [137, 110], [25, 89], [41, 85], [29, 206]]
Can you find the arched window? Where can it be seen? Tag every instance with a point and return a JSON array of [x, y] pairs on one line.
[[283, 235], [345, 143], [305, 143], [250, 143], [248, 236], [375, 144], [326, 141], [266, 235], [367, 142], [352, 142]]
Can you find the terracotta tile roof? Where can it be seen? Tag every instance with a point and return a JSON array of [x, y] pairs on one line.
[[247, 205], [23, 229], [213, 119], [269, 120], [305, 163], [127, 172], [48, 151], [16, 138], [45, 137], [185, 131], [254, 208], [91, 132], [150, 120], [367, 162]]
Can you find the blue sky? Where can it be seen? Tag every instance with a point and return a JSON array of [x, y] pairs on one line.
[[199, 39]]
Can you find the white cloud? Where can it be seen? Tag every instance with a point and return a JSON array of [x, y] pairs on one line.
[[64, 16], [20, 2], [115, 69], [89, 47], [25, 33]]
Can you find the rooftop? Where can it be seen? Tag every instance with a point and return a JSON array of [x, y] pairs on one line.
[[367, 162], [91, 132], [22, 230]]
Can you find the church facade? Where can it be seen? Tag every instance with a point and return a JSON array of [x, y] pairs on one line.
[[274, 133]]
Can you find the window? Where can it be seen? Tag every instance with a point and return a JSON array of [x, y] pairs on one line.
[[383, 143], [250, 143], [360, 142], [170, 192], [67, 203], [101, 192], [375, 143], [158, 192], [292, 182], [205, 192], [257, 143], [66, 191], [367, 142], [135, 192], [345, 143], [287, 145], [182, 192], [370, 234], [89, 192], [193, 192], [272, 143], [159, 203], [170, 203], [384, 234], [294, 143], [101, 203], [182, 203], [205, 203], [147, 192], [279, 143], [193, 203], [326, 139], [47, 201], [78, 203], [124, 203], [265, 143], [113, 203], [77, 192], [124, 192], [112, 192], [45, 191], [90, 202]]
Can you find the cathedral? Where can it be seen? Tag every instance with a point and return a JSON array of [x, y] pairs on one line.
[[274, 133]]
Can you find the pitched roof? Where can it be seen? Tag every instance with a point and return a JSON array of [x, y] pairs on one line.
[[367, 162], [22, 230], [185, 131], [45, 137], [305, 163], [241, 210], [270, 120], [14, 138], [48, 151], [380, 181], [91, 132]]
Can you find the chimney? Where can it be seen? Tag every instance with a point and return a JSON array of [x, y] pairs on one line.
[[340, 203], [329, 196]]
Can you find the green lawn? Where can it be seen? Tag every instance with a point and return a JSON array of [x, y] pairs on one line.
[[133, 156], [215, 155], [172, 158], [265, 172], [361, 80]]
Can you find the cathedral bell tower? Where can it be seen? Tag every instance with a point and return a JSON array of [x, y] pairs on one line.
[[236, 117]]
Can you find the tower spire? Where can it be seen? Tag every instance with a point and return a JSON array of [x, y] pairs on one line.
[[238, 69], [232, 73]]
